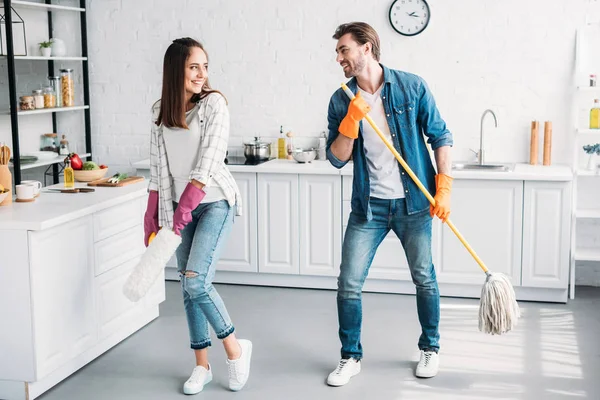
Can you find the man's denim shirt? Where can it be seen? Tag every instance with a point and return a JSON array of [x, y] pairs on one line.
[[411, 113]]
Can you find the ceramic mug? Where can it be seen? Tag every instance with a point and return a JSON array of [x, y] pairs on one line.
[[37, 186], [25, 191]]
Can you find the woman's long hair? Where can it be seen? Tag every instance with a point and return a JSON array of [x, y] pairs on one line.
[[172, 101]]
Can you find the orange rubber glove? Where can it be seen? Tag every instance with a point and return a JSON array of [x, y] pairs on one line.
[[443, 187], [357, 110]]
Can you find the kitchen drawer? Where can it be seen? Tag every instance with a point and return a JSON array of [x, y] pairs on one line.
[[117, 249], [117, 219]]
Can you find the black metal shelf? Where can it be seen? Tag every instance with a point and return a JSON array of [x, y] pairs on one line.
[[12, 77]]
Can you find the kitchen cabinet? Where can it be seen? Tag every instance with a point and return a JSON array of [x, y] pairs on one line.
[[489, 216], [546, 234], [278, 247], [240, 252], [300, 229], [320, 212], [62, 293]]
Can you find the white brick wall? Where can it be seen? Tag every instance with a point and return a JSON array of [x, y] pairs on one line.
[[275, 62]]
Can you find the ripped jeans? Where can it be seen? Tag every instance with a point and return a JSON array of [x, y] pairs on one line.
[[197, 256]]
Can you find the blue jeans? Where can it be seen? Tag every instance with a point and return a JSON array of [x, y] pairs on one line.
[[361, 241], [197, 256]]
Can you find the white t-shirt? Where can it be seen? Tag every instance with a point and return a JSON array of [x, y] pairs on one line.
[[183, 147], [384, 169]]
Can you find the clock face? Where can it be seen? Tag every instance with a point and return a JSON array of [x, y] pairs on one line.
[[409, 17]]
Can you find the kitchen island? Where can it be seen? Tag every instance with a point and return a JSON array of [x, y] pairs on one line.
[[64, 260]]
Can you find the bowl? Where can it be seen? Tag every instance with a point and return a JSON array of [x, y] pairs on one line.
[[304, 156], [89, 175], [4, 194]]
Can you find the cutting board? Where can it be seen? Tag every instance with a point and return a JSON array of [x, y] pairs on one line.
[[127, 181]]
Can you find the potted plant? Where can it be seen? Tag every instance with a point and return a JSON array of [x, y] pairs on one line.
[[591, 150], [46, 48]]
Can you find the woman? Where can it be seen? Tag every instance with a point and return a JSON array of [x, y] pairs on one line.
[[190, 131]]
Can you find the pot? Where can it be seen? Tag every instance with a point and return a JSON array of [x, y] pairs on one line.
[[257, 150]]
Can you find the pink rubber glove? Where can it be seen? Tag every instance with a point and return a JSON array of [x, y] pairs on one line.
[[151, 216], [190, 198]]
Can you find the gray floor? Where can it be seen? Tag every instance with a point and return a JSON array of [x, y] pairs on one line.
[[553, 354]]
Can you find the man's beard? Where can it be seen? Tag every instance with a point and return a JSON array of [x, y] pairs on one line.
[[356, 69]]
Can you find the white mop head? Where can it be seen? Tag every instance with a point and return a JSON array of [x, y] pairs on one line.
[[498, 308], [153, 261]]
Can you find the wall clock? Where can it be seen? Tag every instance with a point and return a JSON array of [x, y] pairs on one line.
[[409, 17]]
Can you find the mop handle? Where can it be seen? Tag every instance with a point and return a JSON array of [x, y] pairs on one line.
[[418, 182]]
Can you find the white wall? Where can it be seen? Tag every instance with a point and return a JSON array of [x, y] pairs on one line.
[[275, 62]]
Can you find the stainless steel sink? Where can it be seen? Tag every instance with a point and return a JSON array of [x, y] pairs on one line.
[[483, 167]]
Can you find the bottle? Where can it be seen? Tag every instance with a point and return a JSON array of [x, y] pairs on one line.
[[69, 175], [281, 148], [64, 146], [595, 115], [290, 146]]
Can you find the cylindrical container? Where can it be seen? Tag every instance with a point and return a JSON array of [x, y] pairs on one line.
[[533, 150], [67, 87], [26, 103], [547, 143], [38, 98], [49, 97], [6, 181], [55, 83], [592, 80]]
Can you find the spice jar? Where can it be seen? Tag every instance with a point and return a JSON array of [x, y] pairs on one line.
[[49, 142], [38, 98], [67, 87], [26, 103], [55, 84], [592, 80], [49, 97], [64, 146]]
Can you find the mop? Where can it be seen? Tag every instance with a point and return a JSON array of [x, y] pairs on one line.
[[498, 308], [160, 249]]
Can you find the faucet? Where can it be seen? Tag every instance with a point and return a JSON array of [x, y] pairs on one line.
[[481, 153]]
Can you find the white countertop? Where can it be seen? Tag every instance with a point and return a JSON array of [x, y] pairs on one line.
[[52, 209], [323, 167]]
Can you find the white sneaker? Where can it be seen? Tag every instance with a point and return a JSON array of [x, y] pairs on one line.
[[428, 364], [346, 369], [239, 370], [200, 377]]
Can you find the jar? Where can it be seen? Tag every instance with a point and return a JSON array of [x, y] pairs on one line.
[[592, 80], [49, 142], [67, 87], [55, 84], [38, 98], [26, 103], [49, 97]]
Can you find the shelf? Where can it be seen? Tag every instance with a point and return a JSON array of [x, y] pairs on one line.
[[43, 163], [591, 132], [49, 110], [48, 7], [588, 89], [587, 255], [587, 172], [41, 58], [588, 214]]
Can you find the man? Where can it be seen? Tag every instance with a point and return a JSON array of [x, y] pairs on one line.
[[383, 195]]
